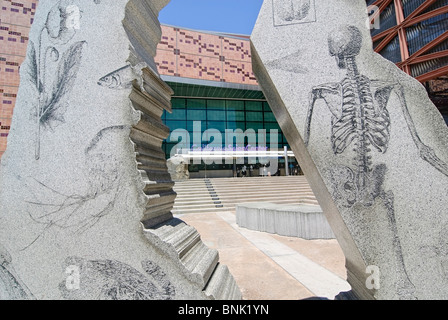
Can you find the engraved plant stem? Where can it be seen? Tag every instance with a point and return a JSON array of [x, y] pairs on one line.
[[50, 105], [37, 151], [40, 91], [41, 86]]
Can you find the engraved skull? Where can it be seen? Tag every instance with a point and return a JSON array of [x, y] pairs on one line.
[[345, 43]]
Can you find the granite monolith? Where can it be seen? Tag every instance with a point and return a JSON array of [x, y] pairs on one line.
[[85, 196]]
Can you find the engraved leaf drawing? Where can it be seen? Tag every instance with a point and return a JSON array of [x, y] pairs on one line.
[[32, 70], [67, 71], [53, 68], [51, 108]]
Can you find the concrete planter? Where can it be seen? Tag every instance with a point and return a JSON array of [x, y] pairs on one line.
[[303, 221]]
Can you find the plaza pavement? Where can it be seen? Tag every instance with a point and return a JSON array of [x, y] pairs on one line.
[[271, 267]]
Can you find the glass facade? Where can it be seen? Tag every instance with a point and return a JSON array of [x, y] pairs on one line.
[[221, 115], [422, 23], [204, 118]]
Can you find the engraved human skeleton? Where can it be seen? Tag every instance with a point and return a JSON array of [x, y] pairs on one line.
[[360, 119]]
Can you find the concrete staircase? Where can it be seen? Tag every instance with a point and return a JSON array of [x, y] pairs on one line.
[[212, 195]]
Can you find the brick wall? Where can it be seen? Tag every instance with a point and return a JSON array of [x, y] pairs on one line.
[[16, 18], [205, 56]]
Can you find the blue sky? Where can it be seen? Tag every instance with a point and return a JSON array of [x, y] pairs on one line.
[[227, 16]]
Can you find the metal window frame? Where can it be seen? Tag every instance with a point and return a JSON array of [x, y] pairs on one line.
[[386, 36]]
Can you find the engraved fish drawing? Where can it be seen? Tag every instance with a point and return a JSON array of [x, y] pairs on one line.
[[118, 79]]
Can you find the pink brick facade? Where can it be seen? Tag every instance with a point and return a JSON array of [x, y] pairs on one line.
[[16, 18], [205, 56]]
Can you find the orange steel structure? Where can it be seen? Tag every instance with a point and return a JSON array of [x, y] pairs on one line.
[[420, 14], [414, 35]]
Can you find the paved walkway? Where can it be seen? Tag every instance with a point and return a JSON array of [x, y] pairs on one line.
[[272, 267]]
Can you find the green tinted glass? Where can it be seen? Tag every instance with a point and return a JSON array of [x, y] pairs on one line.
[[254, 125], [216, 104], [254, 106], [266, 107], [233, 115], [174, 124], [178, 103], [254, 116], [271, 125], [177, 114], [196, 104], [216, 115], [235, 105], [219, 125], [269, 117], [233, 125], [194, 115]]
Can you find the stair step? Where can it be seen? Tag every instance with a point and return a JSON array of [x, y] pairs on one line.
[[282, 190], [222, 279], [240, 195], [201, 260], [201, 210], [218, 194], [184, 243], [230, 206]]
